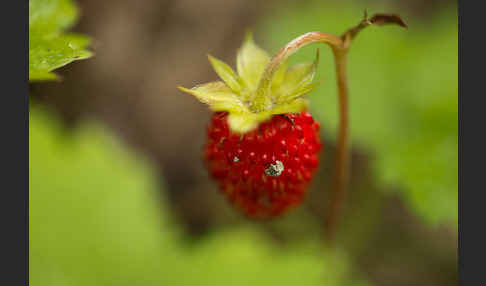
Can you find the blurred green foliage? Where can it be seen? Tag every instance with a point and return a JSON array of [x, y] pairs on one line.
[[403, 96], [95, 219], [49, 46]]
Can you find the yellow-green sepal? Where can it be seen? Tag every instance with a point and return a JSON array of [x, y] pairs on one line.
[[242, 122], [218, 96], [226, 73], [251, 61], [297, 81], [259, 89]]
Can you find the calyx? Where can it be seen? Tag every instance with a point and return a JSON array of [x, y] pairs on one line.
[[259, 89]]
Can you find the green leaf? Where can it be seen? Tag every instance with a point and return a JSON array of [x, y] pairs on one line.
[[218, 96], [251, 61], [49, 46]]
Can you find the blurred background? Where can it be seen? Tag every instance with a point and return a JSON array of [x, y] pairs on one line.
[[119, 194]]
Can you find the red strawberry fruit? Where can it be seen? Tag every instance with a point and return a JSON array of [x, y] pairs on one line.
[[266, 171], [263, 145]]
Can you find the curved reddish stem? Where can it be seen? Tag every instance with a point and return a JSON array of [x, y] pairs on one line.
[[340, 48]]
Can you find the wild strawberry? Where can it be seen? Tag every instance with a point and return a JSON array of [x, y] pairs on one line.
[[262, 144], [265, 171]]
